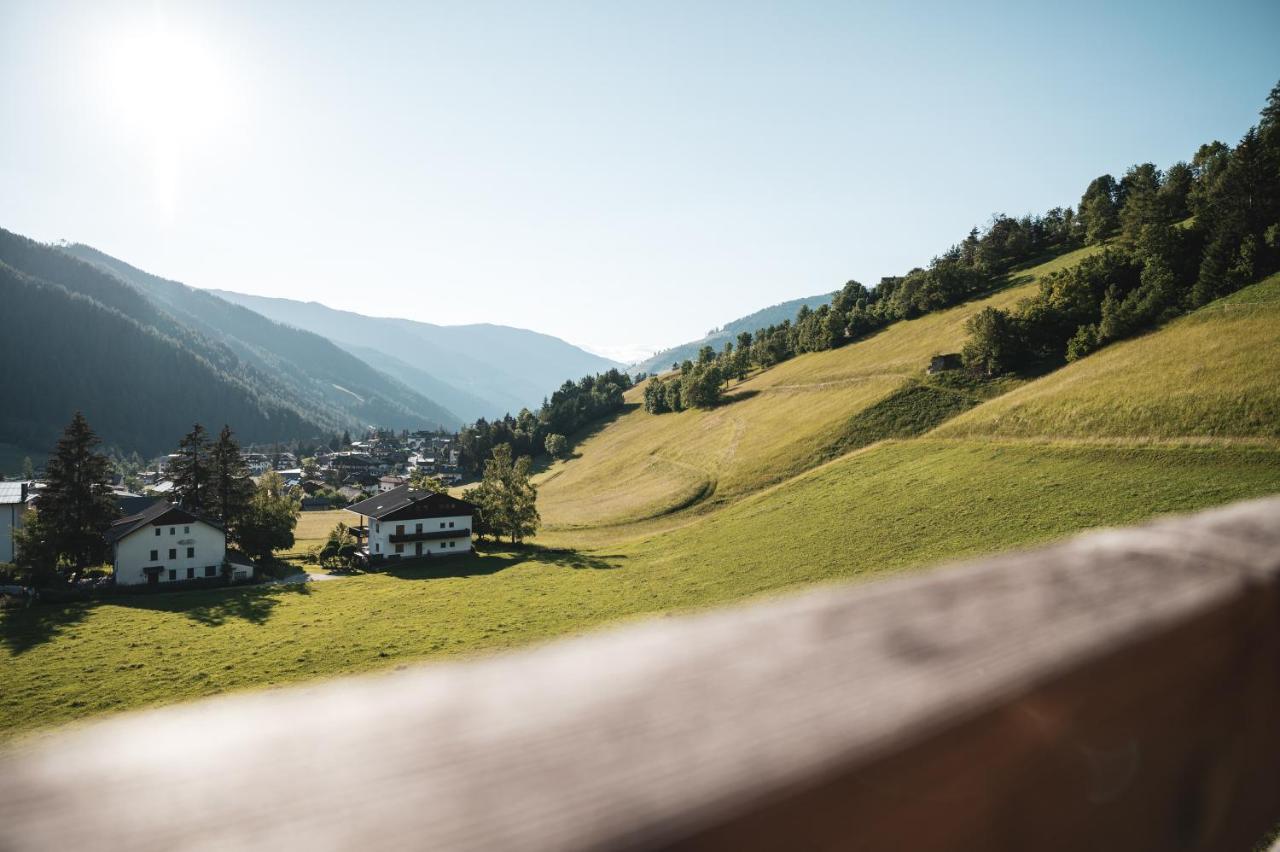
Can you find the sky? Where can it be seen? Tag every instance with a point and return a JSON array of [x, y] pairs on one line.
[[625, 176]]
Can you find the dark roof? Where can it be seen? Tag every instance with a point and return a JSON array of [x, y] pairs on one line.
[[131, 505], [402, 498], [159, 512]]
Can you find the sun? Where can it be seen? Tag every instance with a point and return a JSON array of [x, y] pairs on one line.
[[165, 90]]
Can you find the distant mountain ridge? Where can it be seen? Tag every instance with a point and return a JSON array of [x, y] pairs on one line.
[[772, 315], [478, 370]]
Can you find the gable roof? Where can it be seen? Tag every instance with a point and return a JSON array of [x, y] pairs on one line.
[[13, 492], [159, 512], [403, 497]]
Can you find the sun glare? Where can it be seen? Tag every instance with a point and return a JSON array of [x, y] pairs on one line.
[[165, 91]]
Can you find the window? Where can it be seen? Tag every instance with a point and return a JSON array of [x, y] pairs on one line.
[[418, 528], [173, 553], [191, 553], [453, 544], [155, 555], [451, 525], [211, 570], [442, 525], [399, 548], [443, 545], [172, 530], [186, 530], [377, 527], [377, 548], [191, 573], [399, 529], [157, 531], [173, 574]]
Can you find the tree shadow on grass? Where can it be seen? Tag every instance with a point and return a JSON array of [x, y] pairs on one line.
[[482, 563], [214, 608], [22, 629]]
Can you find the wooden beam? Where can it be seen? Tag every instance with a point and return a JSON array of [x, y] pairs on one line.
[[1117, 691]]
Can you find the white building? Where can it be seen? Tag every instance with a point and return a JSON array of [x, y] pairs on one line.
[[165, 543], [403, 524], [13, 503]]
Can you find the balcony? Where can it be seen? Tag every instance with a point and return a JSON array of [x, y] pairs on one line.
[[428, 535]]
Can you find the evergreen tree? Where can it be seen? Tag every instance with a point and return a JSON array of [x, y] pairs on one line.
[[232, 488], [76, 507], [28, 469], [192, 471], [1099, 209]]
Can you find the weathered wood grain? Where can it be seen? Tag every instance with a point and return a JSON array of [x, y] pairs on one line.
[[1117, 691]]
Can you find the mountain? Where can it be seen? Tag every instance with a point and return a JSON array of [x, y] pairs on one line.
[[478, 370], [312, 366], [145, 358], [772, 315]]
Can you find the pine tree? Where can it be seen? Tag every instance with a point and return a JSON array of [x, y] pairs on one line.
[[232, 488], [192, 471], [76, 507]]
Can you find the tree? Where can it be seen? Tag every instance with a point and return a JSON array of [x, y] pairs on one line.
[[310, 468], [192, 471], [28, 469], [268, 522], [76, 507], [557, 445], [341, 549], [420, 480], [35, 550], [506, 496], [1099, 208], [231, 487], [992, 347]]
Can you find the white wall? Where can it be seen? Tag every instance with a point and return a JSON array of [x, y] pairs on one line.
[[10, 520], [133, 552], [380, 534]]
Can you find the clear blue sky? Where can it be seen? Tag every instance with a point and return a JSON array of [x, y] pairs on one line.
[[623, 175]]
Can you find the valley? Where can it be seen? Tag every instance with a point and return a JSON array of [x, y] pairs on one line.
[[707, 507]]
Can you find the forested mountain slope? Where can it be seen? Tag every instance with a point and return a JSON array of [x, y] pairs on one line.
[[503, 368], [143, 362], [313, 367]]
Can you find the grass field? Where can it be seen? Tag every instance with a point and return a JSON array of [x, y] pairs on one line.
[[629, 541]]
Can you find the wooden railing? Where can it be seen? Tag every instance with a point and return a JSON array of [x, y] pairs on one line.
[[1117, 691]]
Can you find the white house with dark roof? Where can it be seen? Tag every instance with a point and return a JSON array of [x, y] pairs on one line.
[[165, 543], [404, 524], [14, 498]]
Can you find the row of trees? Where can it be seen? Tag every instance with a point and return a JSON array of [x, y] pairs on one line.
[[572, 407], [1158, 263]]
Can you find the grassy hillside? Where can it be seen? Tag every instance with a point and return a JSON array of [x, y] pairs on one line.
[[1214, 373], [888, 506], [777, 424]]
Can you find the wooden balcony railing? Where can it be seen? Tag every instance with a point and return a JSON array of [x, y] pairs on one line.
[[1117, 691]]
